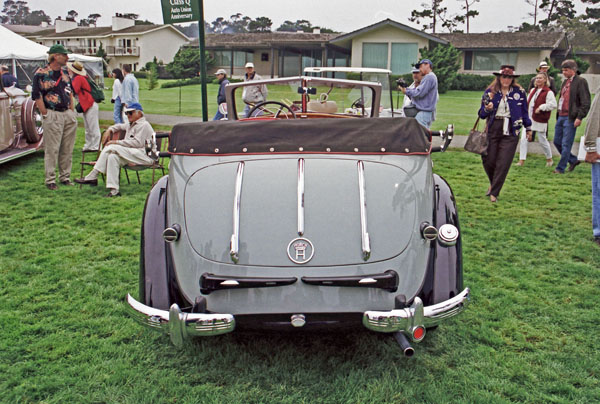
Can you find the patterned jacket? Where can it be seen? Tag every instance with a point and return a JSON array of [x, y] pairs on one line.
[[517, 104]]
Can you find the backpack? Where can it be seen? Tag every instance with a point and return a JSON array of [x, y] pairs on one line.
[[97, 93]]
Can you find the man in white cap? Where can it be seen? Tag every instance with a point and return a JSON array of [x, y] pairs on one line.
[[87, 105], [254, 94], [542, 68], [222, 76], [118, 153]]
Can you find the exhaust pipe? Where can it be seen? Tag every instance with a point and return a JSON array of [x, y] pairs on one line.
[[401, 339]]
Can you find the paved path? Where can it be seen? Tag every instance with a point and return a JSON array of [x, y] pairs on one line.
[[457, 143]]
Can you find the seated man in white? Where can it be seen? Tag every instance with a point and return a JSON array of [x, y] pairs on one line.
[[118, 153]]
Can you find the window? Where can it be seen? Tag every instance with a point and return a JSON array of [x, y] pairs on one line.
[[403, 57], [222, 58], [491, 60], [240, 58], [375, 55]]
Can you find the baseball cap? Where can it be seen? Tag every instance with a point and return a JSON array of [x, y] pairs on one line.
[[58, 48], [220, 71], [133, 107], [249, 64], [424, 61], [415, 70]]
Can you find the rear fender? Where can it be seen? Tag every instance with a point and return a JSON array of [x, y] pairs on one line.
[[158, 284], [444, 278]]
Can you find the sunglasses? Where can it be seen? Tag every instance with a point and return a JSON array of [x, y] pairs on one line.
[[506, 76], [129, 112]]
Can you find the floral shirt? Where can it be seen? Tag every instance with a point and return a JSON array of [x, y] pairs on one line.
[[54, 86]]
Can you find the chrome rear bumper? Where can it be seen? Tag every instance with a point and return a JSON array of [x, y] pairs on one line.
[[180, 325], [416, 317]]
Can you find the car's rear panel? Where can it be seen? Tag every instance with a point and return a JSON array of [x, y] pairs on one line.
[[398, 199]]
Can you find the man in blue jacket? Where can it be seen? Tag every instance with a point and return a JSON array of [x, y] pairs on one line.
[[222, 76], [425, 96]]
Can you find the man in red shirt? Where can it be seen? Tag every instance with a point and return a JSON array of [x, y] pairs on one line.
[[88, 106]]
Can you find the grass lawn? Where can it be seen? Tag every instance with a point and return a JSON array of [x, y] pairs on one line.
[[456, 107], [68, 258]]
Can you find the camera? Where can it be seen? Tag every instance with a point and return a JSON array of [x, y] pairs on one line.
[[401, 83]]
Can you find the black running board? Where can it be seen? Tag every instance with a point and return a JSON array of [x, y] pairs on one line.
[[387, 281], [210, 283]]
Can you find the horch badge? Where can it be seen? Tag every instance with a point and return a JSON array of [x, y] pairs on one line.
[[300, 250]]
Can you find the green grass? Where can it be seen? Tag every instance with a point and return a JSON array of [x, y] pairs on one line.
[[68, 258]]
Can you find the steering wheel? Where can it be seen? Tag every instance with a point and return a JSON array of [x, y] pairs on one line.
[[358, 103], [275, 109]]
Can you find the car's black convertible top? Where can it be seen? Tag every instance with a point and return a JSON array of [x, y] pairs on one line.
[[321, 135]]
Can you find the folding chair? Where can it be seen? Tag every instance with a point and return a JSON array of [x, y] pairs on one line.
[[117, 135], [162, 143]]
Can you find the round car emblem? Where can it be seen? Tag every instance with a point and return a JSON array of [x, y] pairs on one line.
[[300, 250]]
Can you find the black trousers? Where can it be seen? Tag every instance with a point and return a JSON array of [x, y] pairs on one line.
[[500, 154]]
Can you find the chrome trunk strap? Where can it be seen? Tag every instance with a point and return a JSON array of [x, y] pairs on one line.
[[300, 197], [366, 244], [234, 244]]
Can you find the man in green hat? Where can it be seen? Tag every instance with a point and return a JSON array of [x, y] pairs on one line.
[[53, 96]]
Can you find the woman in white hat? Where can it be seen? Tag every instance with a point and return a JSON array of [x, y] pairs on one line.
[[87, 105]]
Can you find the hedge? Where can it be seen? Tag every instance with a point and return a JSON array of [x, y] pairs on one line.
[[193, 81]]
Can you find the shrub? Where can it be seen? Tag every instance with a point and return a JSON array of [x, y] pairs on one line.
[[471, 82], [446, 62], [140, 75]]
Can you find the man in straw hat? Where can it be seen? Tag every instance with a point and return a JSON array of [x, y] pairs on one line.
[[52, 93], [87, 105], [118, 153], [543, 68]]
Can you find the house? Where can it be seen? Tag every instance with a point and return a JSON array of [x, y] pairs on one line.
[[124, 41], [484, 53], [387, 44], [274, 54]]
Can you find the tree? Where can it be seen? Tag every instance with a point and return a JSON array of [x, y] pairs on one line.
[[18, 13], [90, 20], [593, 13], [299, 25], [186, 63], [260, 24], [152, 76], [555, 9], [469, 12], [434, 12], [446, 63], [101, 53], [72, 15]]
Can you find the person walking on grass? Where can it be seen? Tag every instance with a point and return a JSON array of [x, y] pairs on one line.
[[52, 93], [253, 95], [541, 101], [504, 105], [130, 90], [116, 95], [573, 106], [222, 77], [118, 153], [87, 106], [592, 142]]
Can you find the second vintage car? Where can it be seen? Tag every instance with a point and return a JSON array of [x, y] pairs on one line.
[[311, 212]]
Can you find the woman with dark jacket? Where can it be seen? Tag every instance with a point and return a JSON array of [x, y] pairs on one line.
[[504, 105], [117, 74]]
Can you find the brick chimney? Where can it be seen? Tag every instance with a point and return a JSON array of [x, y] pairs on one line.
[[119, 23], [64, 25]]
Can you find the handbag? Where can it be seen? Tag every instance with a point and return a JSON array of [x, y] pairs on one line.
[[477, 142]]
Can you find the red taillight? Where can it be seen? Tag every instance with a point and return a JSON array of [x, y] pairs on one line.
[[418, 333]]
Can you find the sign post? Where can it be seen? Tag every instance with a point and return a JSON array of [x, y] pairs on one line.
[[177, 11]]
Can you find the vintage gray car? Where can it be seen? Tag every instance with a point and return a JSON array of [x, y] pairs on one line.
[[301, 216], [20, 124]]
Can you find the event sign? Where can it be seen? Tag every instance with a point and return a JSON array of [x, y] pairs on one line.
[[177, 11]]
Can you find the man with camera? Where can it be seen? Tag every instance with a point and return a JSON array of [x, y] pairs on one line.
[[425, 95]]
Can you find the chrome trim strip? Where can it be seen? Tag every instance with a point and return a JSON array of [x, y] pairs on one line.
[[300, 197], [180, 325], [234, 244], [366, 243], [407, 319]]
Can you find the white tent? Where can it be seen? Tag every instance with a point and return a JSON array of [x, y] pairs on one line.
[[25, 56]]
